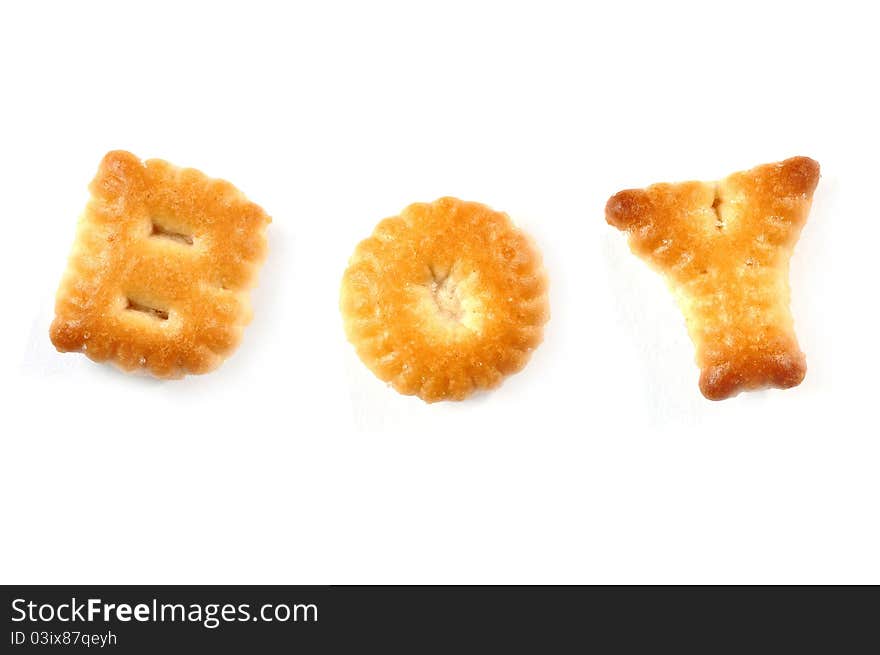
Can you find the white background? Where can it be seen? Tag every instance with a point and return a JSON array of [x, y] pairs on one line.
[[600, 462]]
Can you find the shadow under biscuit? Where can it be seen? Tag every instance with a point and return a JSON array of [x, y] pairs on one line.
[[643, 309]]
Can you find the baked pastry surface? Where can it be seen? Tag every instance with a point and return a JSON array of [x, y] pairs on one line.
[[160, 270], [445, 299], [724, 248]]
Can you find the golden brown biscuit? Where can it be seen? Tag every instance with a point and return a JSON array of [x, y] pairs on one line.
[[160, 270], [445, 299], [724, 249]]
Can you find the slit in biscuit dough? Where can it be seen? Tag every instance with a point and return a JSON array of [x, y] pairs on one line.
[[716, 207], [446, 295], [159, 231], [134, 306]]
